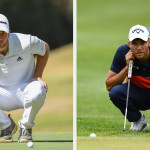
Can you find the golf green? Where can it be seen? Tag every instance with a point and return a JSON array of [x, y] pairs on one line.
[[43, 141], [115, 143]]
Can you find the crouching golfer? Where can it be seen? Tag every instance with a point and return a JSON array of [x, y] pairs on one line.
[[21, 84], [137, 50]]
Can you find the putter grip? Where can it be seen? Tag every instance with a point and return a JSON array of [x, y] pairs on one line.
[[130, 69]]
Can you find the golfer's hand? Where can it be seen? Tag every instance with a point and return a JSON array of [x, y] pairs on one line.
[[129, 56], [42, 81]]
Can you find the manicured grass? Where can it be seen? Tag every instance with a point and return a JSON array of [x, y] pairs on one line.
[[43, 141], [115, 143], [102, 26]]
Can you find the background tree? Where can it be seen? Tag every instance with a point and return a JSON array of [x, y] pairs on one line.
[[50, 20]]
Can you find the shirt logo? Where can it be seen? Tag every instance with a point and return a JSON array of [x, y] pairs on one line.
[[19, 58]]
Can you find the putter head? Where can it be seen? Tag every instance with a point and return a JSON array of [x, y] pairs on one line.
[[123, 130]]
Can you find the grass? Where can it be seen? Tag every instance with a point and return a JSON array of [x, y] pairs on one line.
[[44, 141], [102, 26], [115, 143], [57, 112]]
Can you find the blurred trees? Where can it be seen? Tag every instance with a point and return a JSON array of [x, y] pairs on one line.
[[50, 20]]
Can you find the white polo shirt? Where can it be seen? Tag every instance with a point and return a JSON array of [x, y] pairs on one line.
[[18, 65]]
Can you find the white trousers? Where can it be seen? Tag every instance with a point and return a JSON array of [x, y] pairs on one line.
[[30, 96]]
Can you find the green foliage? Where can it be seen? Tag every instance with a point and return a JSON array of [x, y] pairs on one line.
[[50, 20]]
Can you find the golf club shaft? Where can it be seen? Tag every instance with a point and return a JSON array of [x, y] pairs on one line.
[[126, 104], [129, 77]]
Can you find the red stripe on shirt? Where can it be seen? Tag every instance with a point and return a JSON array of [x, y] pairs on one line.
[[143, 82]]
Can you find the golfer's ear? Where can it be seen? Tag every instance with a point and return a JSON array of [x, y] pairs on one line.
[[129, 43], [9, 33]]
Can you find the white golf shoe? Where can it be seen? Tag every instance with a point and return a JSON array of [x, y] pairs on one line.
[[140, 125]]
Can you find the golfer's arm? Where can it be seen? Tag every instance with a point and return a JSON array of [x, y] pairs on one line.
[[115, 79], [41, 62]]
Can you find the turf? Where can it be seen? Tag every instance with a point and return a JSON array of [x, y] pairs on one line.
[[115, 143], [102, 26], [43, 141]]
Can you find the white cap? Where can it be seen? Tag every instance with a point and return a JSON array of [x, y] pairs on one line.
[[138, 31], [4, 24]]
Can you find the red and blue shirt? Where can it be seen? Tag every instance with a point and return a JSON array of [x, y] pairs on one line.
[[140, 71]]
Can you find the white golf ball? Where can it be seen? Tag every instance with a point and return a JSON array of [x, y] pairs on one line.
[[92, 135], [30, 144]]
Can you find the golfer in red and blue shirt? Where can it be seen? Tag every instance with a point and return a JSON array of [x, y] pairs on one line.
[[137, 50]]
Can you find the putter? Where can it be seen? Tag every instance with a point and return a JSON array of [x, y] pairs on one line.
[[129, 77]]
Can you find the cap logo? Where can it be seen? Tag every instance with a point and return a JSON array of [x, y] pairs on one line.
[[3, 22], [137, 30]]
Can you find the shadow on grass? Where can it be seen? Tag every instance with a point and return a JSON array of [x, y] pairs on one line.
[[54, 141], [48, 141]]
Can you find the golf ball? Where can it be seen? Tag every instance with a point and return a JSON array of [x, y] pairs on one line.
[[30, 144], [92, 135]]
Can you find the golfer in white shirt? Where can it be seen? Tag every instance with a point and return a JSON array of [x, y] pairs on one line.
[[21, 83]]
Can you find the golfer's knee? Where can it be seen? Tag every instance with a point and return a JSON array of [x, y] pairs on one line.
[[35, 92], [114, 93]]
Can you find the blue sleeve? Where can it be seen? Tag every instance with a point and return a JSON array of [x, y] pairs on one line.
[[119, 61]]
